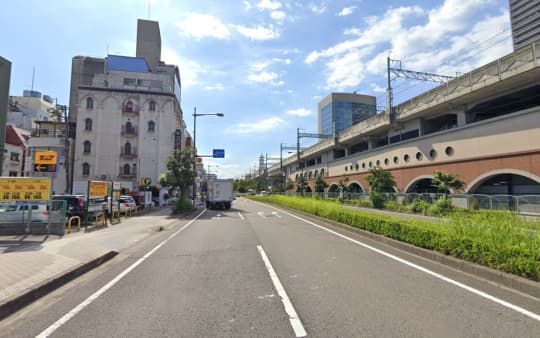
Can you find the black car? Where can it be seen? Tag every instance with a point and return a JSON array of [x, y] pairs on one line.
[[74, 204]]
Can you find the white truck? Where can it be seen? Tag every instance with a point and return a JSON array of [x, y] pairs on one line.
[[219, 194]]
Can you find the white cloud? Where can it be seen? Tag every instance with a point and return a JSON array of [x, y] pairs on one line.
[[190, 70], [215, 87], [299, 112], [268, 124], [268, 4], [259, 33], [200, 26], [260, 66], [286, 61], [318, 9], [347, 11], [278, 15], [348, 70], [266, 77], [247, 5], [376, 89]]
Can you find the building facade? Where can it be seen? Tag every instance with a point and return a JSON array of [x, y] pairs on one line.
[[128, 114], [525, 20], [339, 111], [483, 126], [15, 149], [5, 76], [25, 110]]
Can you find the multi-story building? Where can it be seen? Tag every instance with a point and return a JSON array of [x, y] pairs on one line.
[[339, 111], [25, 110], [525, 20], [128, 113], [483, 125], [15, 149]]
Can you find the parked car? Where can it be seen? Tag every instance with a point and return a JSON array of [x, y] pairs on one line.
[[18, 213], [74, 204], [127, 202]]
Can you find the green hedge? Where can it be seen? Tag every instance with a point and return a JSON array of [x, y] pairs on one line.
[[500, 241]]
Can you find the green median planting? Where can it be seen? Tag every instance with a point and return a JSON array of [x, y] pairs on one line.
[[498, 240]]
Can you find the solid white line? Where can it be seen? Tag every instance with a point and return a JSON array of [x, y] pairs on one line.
[[289, 308], [51, 329], [239, 214], [418, 267]]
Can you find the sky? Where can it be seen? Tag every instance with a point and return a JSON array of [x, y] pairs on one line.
[[264, 64]]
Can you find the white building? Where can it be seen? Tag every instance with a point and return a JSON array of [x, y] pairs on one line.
[[128, 115], [25, 110]]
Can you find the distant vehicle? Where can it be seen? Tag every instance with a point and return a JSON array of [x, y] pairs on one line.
[[263, 193], [127, 202], [251, 191], [219, 194], [74, 204], [18, 213]]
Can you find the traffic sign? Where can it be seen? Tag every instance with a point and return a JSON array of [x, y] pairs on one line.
[[45, 157], [45, 168], [146, 181], [218, 153]]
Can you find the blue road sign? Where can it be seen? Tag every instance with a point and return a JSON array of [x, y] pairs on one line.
[[218, 153]]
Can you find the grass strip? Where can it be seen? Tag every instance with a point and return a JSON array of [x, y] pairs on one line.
[[500, 241]]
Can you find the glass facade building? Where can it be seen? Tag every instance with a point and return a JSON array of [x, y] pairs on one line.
[[345, 113]]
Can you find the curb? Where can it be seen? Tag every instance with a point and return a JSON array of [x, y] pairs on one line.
[[508, 280], [27, 298]]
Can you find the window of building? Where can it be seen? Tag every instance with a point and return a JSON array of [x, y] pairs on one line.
[[356, 166], [406, 158], [127, 148], [449, 151], [89, 103], [151, 126], [370, 164], [128, 107], [316, 173], [346, 168], [364, 165], [130, 81], [419, 156], [386, 161], [87, 147], [127, 169], [322, 172], [396, 160], [86, 169], [378, 163], [351, 167], [129, 128], [14, 156], [152, 106], [12, 174], [88, 124], [433, 154]]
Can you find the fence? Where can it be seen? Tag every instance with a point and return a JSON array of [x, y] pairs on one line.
[[518, 203], [31, 217]]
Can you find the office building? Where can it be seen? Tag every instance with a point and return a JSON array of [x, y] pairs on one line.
[[525, 20], [339, 111]]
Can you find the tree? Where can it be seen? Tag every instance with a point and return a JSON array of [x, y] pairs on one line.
[[446, 181], [181, 172], [301, 184], [289, 185], [379, 181], [320, 184], [342, 184]]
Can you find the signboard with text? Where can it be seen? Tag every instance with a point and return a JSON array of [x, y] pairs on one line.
[[46, 157], [24, 189], [218, 153], [98, 189]]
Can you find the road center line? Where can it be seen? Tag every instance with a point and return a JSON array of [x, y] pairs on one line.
[[296, 324], [239, 214], [418, 267], [55, 326]]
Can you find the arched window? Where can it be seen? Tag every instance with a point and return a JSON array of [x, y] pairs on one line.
[[86, 169], [152, 106], [89, 103], [128, 107], [127, 148], [151, 126], [129, 128], [87, 147], [134, 168], [127, 169], [88, 124]]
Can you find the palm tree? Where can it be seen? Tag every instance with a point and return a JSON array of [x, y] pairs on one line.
[[379, 181], [446, 181], [320, 184]]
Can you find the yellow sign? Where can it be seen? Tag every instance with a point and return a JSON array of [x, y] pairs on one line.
[[24, 189], [45, 157], [98, 189]]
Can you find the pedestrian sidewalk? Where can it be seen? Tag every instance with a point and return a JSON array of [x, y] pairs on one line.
[[28, 262]]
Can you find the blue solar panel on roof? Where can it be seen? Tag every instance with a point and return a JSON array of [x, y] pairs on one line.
[[127, 64]]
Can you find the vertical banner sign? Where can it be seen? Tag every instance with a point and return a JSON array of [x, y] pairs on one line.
[[177, 139]]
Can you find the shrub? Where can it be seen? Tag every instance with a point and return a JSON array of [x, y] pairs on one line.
[[182, 206], [376, 199], [443, 206], [419, 206]]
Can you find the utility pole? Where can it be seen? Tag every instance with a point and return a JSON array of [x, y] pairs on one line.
[[5, 75]]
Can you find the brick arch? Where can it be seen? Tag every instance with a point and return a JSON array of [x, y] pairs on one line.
[[333, 185], [474, 184], [416, 180], [359, 184]]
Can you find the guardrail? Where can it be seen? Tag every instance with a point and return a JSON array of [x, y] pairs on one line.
[[100, 219], [115, 214], [70, 220]]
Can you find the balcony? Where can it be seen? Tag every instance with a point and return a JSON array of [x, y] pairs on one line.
[[129, 131], [128, 153], [130, 108], [127, 172]]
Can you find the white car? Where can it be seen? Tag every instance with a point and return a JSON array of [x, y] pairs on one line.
[[127, 202], [18, 213]]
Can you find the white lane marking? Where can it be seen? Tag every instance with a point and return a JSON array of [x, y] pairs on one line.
[[418, 267], [289, 308], [55, 326], [261, 214], [239, 214], [275, 213]]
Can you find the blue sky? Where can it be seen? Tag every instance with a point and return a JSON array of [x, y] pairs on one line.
[[263, 63]]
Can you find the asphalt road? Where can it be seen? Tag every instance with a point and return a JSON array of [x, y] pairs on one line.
[[209, 279]]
